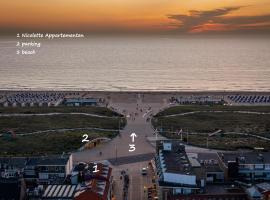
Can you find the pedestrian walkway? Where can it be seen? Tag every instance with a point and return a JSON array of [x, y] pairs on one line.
[[137, 114]]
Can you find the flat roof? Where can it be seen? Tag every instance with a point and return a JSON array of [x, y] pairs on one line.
[[174, 160], [81, 100], [14, 161], [48, 160], [209, 162], [222, 189], [173, 166], [246, 157]]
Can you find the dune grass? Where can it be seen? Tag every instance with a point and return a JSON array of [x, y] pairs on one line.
[[203, 123], [47, 143]]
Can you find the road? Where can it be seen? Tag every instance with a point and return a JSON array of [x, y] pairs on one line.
[[117, 151], [137, 181]]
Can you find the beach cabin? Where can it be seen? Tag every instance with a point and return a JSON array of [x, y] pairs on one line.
[[80, 102], [6, 104]]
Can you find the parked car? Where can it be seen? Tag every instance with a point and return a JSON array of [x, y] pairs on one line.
[[144, 171]]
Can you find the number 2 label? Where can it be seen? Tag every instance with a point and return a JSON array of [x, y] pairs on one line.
[[85, 138]]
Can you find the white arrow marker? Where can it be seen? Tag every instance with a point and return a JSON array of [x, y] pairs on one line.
[[133, 135]]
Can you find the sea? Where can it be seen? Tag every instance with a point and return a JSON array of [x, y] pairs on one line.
[[138, 63]]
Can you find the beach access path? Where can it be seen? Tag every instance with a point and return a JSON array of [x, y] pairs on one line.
[[117, 150]]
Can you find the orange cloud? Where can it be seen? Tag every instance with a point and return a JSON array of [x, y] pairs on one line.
[[209, 27], [130, 15], [217, 20]]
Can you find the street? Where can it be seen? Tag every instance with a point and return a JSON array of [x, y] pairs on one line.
[[117, 151]]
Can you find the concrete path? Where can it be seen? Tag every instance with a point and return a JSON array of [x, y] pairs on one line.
[[117, 150], [119, 146]]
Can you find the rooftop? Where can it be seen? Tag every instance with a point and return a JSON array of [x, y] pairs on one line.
[[80, 100], [97, 183], [209, 161], [175, 159], [222, 189], [216, 192], [246, 157], [48, 160], [95, 186], [173, 165], [17, 162]]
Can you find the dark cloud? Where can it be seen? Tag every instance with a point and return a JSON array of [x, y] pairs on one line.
[[216, 20]]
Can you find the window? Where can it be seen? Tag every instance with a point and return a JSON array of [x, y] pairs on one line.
[[43, 176], [267, 166], [259, 166]]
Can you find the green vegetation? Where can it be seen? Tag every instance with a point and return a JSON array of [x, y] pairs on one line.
[[59, 109], [211, 122], [28, 124], [56, 141], [225, 142], [49, 143], [192, 108], [208, 119]]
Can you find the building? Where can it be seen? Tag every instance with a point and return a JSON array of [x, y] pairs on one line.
[[174, 172], [85, 184], [259, 191], [11, 167], [97, 176], [80, 102], [207, 164], [191, 176], [253, 193], [250, 167], [48, 170], [215, 192], [264, 189], [199, 99], [12, 189]]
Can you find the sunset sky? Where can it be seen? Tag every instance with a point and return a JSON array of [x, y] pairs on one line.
[[158, 16]]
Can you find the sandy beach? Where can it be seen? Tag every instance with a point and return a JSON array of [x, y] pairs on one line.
[[56, 98]]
